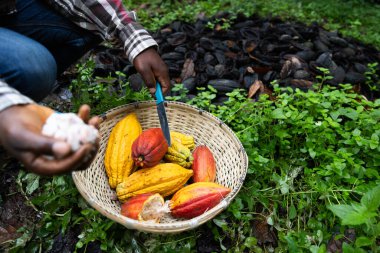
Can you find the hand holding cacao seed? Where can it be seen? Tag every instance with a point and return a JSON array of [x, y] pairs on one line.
[[70, 128], [20, 134], [152, 68]]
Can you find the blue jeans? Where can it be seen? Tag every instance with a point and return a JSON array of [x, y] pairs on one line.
[[36, 45]]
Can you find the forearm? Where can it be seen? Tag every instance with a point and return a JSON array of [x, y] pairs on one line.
[[10, 97], [109, 19]]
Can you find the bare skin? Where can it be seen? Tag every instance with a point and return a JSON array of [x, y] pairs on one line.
[[20, 135], [152, 68], [21, 125]]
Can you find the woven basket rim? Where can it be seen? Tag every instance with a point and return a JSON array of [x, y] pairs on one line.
[[178, 226]]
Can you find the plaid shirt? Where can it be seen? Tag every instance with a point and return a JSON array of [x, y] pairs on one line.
[[10, 96], [107, 18]]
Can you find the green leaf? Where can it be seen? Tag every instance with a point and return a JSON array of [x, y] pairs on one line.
[[270, 221], [351, 113], [103, 247], [33, 182], [278, 114], [250, 242], [371, 200], [292, 212], [348, 248], [221, 223], [60, 180], [65, 220], [352, 214], [292, 244], [374, 143], [312, 153], [356, 132], [318, 249], [261, 159], [79, 244], [363, 241], [334, 115], [282, 133]]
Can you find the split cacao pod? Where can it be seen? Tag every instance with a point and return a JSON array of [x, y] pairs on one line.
[[42, 111], [144, 207], [149, 148], [118, 156], [179, 154], [204, 166], [195, 199], [164, 178], [184, 139]]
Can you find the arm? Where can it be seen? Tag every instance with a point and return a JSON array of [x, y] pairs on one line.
[[21, 122], [110, 20]]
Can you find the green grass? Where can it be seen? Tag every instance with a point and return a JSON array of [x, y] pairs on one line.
[[307, 189], [354, 18]]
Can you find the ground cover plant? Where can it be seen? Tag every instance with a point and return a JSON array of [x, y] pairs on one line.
[[304, 192], [313, 179]]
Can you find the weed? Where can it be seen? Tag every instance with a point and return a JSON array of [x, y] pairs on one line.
[[102, 93], [371, 75]]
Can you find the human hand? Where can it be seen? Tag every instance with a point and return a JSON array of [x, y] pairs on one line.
[[20, 134], [151, 67]]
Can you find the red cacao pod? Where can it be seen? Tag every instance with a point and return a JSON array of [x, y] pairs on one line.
[[149, 148], [204, 166], [195, 199], [144, 207]]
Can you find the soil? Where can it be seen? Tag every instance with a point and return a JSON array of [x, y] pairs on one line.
[[14, 211]]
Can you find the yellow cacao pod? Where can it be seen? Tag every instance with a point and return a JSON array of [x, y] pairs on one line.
[[186, 140], [179, 154], [164, 178], [118, 157]]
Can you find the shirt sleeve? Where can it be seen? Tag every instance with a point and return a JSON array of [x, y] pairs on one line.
[[110, 20], [10, 96]]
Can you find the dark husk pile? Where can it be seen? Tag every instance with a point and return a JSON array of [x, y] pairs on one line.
[[252, 53]]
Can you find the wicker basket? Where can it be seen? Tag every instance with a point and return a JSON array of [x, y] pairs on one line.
[[231, 158]]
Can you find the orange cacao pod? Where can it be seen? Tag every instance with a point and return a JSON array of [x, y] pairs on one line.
[[195, 199], [204, 166], [43, 111], [144, 207], [149, 148]]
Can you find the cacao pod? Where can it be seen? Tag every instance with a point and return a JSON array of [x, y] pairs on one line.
[[195, 199], [144, 207], [118, 156], [149, 148], [224, 86], [179, 154], [184, 139], [42, 111], [204, 166], [164, 178]]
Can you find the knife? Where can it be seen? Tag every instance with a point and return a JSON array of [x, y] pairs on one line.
[[162, 113]]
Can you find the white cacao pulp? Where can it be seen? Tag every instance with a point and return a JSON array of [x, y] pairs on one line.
[[70, 128]]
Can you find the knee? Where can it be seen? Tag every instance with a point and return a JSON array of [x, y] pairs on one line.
[[26, 65], [31, 70], [36, 74]]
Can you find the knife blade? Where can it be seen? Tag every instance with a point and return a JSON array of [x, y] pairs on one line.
[[162, 113]]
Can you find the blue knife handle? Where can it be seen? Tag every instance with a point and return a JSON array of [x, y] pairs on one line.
[[158, 94]]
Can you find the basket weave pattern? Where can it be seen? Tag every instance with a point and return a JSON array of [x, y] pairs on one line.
[[230, 156]]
